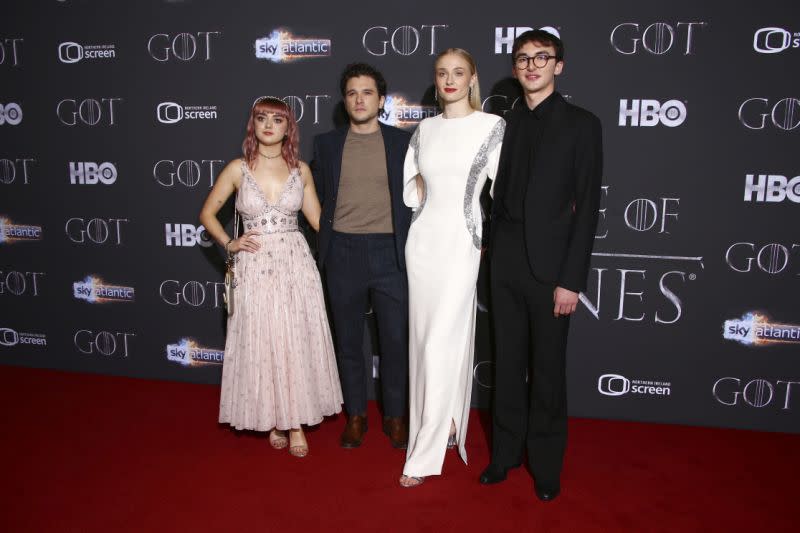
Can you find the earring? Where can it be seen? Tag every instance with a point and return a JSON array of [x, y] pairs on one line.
[[436, 94], [470, 92]]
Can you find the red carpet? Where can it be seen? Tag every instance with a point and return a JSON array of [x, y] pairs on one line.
[[96, 453]]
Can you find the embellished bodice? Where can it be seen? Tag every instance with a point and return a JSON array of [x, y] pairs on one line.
[[259, 214]]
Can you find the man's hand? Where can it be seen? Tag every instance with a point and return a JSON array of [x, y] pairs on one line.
[[565, 302]]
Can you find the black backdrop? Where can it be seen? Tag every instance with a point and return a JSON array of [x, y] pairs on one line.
[[115, 118]]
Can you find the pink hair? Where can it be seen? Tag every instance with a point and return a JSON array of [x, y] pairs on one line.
[[291, 143]]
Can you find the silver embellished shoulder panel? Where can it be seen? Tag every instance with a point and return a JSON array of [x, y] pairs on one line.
[[478, 164], [414, 144]]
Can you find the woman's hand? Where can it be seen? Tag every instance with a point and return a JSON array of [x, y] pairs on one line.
[[247, 242]]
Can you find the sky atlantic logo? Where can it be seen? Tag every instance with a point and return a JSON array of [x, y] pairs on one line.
[[10, 113], [197, 46], [70, 52], [10, 232], [648, 113], [10, 337], [757, 113], [775, 40], [100, 231], [12, 170], [187, 235], [88, 112], [10, 51], [401, 40], [172, 113], [504, 36], [755, 329], [771, 188], [95, 291], [106, 343], [20, 283], [188, 173], [616, 385], [281, 46], [772, 258], [658, 38], [403, 114], [188, 352], [91, 173]]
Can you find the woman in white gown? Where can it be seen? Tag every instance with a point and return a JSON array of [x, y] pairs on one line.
[[447, 164]]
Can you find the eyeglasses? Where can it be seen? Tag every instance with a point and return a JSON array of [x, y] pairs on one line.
[[273, 99], [539, 61]]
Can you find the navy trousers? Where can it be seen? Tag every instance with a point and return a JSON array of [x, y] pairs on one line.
[[362, 269]]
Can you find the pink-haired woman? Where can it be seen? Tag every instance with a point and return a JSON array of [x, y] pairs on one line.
[[280, 369]]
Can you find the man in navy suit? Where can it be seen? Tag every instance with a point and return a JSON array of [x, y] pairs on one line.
[[358, 172], [544, 215]]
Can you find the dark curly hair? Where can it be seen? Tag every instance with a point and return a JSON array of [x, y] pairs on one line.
[[540, 37], [354, 70]]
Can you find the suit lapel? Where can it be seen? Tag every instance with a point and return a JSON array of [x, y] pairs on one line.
[[388, 147], [338, 151]]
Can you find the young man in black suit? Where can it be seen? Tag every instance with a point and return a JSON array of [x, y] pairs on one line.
[[545, 208], [358, 172]]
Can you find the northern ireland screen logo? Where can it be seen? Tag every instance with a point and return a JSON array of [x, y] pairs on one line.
[[617, 385], [775, 40], [72, 52]]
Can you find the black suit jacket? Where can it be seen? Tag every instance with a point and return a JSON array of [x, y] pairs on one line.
[[563, 193], [326, 166]]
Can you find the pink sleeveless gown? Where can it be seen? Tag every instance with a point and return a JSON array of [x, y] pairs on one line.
[[280, 368]]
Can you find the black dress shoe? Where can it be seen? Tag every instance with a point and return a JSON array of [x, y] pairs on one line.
[[547, 494], [494, 474]]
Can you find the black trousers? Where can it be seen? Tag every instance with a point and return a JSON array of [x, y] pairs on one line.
[[530, 400], [359, 270]]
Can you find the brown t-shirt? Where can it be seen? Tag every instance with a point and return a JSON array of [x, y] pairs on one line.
[[363, 204]]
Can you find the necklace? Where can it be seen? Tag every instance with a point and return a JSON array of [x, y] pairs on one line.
[[270, 156]]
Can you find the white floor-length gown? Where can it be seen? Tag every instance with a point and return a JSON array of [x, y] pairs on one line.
[[454, 157]]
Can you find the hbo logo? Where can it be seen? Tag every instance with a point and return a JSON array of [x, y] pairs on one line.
[[88, 173], [186, 235], [652, 113], [10, 114]]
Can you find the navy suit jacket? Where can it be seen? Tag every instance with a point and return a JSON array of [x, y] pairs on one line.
[[326, 166]]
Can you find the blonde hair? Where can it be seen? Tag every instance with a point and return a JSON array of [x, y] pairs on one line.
[[475, 93]]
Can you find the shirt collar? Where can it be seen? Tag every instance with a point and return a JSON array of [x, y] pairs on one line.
[[544, 107]]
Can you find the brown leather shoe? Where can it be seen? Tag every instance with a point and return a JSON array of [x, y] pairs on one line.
[[354, 431], [396, 429]]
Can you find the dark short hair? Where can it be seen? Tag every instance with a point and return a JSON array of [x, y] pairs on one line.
[[354, 70], [541, 37]]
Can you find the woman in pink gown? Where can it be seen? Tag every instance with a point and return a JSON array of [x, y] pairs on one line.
[[279, 370]]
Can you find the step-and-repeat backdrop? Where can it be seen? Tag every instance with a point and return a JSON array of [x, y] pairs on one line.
[[116, 117]]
